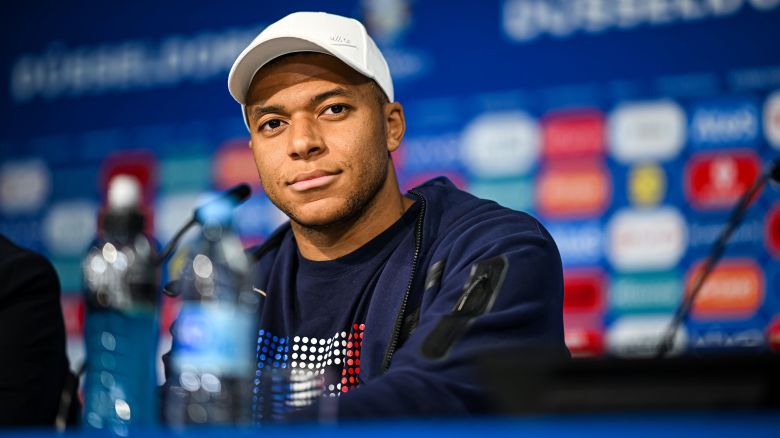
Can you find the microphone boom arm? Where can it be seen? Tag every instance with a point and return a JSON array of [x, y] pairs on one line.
[[735, 218]]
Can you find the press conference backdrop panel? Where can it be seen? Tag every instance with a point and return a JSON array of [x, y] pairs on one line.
[[628, 127]]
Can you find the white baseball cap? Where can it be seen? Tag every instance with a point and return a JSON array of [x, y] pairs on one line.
[[320, 32]]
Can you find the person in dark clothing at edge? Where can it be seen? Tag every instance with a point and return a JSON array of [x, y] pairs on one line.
[[398, 294], [34, 366]]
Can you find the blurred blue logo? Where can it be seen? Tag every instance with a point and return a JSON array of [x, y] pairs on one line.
[[724, 122], [580, 243]]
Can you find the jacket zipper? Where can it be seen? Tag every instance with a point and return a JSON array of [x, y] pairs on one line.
[[393, 344]]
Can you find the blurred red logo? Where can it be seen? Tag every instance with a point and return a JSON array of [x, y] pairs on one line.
[[583, 342], [773, 334], [572, 190], [73, 314], [717, 180], [573, 133], [234, 164], [734, 290], [773, 230], [583, 290]]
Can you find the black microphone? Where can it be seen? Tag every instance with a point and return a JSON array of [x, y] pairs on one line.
[[737, 214], [237, 195]]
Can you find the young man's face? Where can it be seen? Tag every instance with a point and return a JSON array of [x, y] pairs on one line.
[[320, 138]]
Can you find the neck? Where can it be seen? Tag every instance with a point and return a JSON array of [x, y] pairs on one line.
[[341, 239]]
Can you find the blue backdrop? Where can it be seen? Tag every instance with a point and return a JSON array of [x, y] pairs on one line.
[[628, 126]]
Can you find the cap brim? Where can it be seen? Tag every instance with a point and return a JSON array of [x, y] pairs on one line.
[[254, 58]]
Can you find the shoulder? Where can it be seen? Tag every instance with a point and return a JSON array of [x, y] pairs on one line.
[[264, 255], [270, 246], [453, 214], [18, 264], [24, 270]]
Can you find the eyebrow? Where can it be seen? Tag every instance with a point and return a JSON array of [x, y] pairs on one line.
[[259, 111], [331, 93]]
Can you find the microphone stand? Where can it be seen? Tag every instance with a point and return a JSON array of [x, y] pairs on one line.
[[735, 218], [237, 194]]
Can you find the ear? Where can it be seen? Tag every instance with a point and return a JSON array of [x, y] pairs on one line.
[[249, 143], [395, 125]]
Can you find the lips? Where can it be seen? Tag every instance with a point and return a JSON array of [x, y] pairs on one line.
[[312, 180]]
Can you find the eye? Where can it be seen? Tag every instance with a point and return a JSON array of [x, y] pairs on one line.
[[335, 109], [271, 125]]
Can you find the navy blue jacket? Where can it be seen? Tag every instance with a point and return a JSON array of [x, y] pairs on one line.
[[476, 278]]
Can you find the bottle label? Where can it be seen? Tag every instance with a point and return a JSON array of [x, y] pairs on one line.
[[213, 337]]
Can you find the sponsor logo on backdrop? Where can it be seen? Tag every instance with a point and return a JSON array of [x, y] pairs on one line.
[[583, 290], [703, 233], [525, 20], [717, 180], [502, 144], [645, 293], [743, 337], [432, 152], [773, 231], [580, 243], [639, 336], [517, 194], [573, 133], [573, 190], [724, 123], [584, 342], [646, 185], [69, 227], [646, 239], [647, 131], [772, 119], [234, 164], [773, 334], [584, 332], [24, 186], [734, 290]]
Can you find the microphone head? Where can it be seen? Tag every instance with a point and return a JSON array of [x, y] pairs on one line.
[[222, 204], [239, 193]]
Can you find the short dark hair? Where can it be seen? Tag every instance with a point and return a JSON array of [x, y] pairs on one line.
[[379, 95]]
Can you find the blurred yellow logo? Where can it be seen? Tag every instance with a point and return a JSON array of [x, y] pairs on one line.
[[646, 185]]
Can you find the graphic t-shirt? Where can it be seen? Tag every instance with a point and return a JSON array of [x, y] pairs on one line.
[[314, 312]]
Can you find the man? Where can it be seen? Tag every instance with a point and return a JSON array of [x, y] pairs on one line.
[[34, 365], [398, 294]]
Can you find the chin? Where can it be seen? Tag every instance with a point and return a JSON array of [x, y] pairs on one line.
[[317, 215]]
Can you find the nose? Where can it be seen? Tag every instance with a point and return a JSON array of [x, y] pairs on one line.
[[305, 141]]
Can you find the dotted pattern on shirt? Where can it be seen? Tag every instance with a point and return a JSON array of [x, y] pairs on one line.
[[309, 355]]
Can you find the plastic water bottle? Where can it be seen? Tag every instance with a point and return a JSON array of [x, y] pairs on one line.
[[121, 286], [212, 356]]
